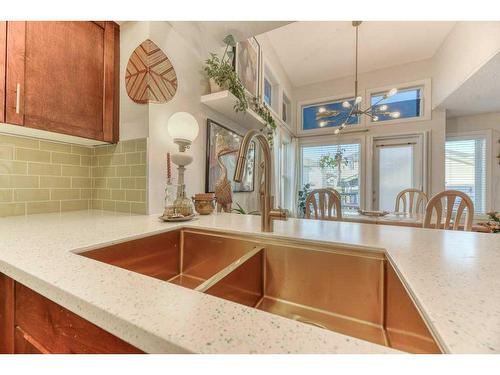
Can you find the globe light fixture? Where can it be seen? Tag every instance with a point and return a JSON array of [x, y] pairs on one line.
[[183, 128]]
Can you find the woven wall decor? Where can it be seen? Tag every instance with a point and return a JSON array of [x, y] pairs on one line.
[[150, 76]]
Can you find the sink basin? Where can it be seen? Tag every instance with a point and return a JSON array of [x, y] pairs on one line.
[[185, 259], [349, 290]]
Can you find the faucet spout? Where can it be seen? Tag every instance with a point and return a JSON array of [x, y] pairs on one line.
[[268, 214]]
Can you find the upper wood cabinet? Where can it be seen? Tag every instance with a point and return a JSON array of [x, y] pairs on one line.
[[3, 46], [63, 77]]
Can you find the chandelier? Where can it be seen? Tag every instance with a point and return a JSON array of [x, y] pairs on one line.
[[325, 116]]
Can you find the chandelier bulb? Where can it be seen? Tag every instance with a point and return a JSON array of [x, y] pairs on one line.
[[346, 104], [383, 107], [322, 124], [395, 114], [337, 131], [321, 110], [358, 100], [392, 92], [375, 118]]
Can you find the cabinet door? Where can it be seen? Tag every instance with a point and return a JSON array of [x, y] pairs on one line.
[[46, 327], [63, 77], [6, 315], [3, 44]]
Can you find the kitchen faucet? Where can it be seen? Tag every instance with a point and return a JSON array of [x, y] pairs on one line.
[[268, 212]]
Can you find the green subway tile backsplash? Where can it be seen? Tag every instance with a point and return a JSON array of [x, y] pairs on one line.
[[38, 176]]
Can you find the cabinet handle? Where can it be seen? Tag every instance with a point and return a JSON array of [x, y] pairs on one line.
[[18, 97]]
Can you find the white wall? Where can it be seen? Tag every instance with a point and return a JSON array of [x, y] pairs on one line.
[[486, 121], [402, 74], [468, 46], [151, 120]]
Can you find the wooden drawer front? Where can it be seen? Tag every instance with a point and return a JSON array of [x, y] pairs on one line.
[[58, 330]]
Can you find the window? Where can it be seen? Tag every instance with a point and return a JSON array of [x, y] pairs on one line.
[[465, 162], [406, 102], [326, 115], [335, 166], [285, 167], [286, 110], [268, 92]]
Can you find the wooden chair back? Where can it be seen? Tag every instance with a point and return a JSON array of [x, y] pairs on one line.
[[323, 204], [450, 223], [413, 200]]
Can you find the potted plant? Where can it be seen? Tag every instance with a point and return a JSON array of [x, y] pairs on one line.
[[337, 161], [222, 76], [303, 194]]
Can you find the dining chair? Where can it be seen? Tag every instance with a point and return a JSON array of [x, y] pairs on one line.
[[323, 204], [415, 203], [450, 223]]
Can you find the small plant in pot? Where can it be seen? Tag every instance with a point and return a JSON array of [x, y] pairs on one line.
[[222, 76]]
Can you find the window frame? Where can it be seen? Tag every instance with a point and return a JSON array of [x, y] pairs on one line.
[[320, 101], [264, 92], [333, 141], [289, 111], [487, 135], [276, 88], [425, 102]]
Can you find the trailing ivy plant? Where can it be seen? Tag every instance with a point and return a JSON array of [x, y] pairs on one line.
[[222, 72], [263, 111], [220, 69]]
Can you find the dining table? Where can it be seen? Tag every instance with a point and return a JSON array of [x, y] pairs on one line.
[[404, 219]]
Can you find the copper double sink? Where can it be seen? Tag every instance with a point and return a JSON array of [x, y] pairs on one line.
[[343, 289]]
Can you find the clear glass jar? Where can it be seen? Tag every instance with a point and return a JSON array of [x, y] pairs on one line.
[[176, 202]]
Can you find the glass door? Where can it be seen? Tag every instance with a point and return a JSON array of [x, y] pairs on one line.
[[398, 165]]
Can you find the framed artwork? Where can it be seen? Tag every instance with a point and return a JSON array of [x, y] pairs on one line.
[[247, 65], [217, 133]]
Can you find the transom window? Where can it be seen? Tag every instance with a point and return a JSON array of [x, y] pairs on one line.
[[326, 115], [406, 103], [465, 165], [268, 92], [335, 166]]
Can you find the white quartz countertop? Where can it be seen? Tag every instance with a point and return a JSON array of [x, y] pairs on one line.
[[453, 277]]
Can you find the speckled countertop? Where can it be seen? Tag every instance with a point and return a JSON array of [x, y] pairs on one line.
[[453, 276]]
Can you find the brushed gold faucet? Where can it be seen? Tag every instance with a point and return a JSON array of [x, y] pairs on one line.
[[268, 213]]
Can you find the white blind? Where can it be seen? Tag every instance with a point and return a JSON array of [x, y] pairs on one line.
[[465, 163], [343, 176]]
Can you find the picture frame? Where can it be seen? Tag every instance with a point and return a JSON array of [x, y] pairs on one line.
[[213, 170], [247, 63]]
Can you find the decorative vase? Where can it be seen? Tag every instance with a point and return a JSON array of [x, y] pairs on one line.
[[215, 87], [204, 204]]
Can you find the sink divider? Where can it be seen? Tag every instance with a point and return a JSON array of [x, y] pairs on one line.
[[219, 276]]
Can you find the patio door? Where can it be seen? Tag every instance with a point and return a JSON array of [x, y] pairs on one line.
[[397, 165]]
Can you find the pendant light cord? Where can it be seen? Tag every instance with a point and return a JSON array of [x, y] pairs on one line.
[[356, 71]]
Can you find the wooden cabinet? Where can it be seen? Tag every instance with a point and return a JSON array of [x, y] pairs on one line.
[[32, 324], [63, 77], [3, 55]]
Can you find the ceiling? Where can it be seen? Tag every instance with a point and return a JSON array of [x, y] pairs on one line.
[[314, 51], [479, 94]]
